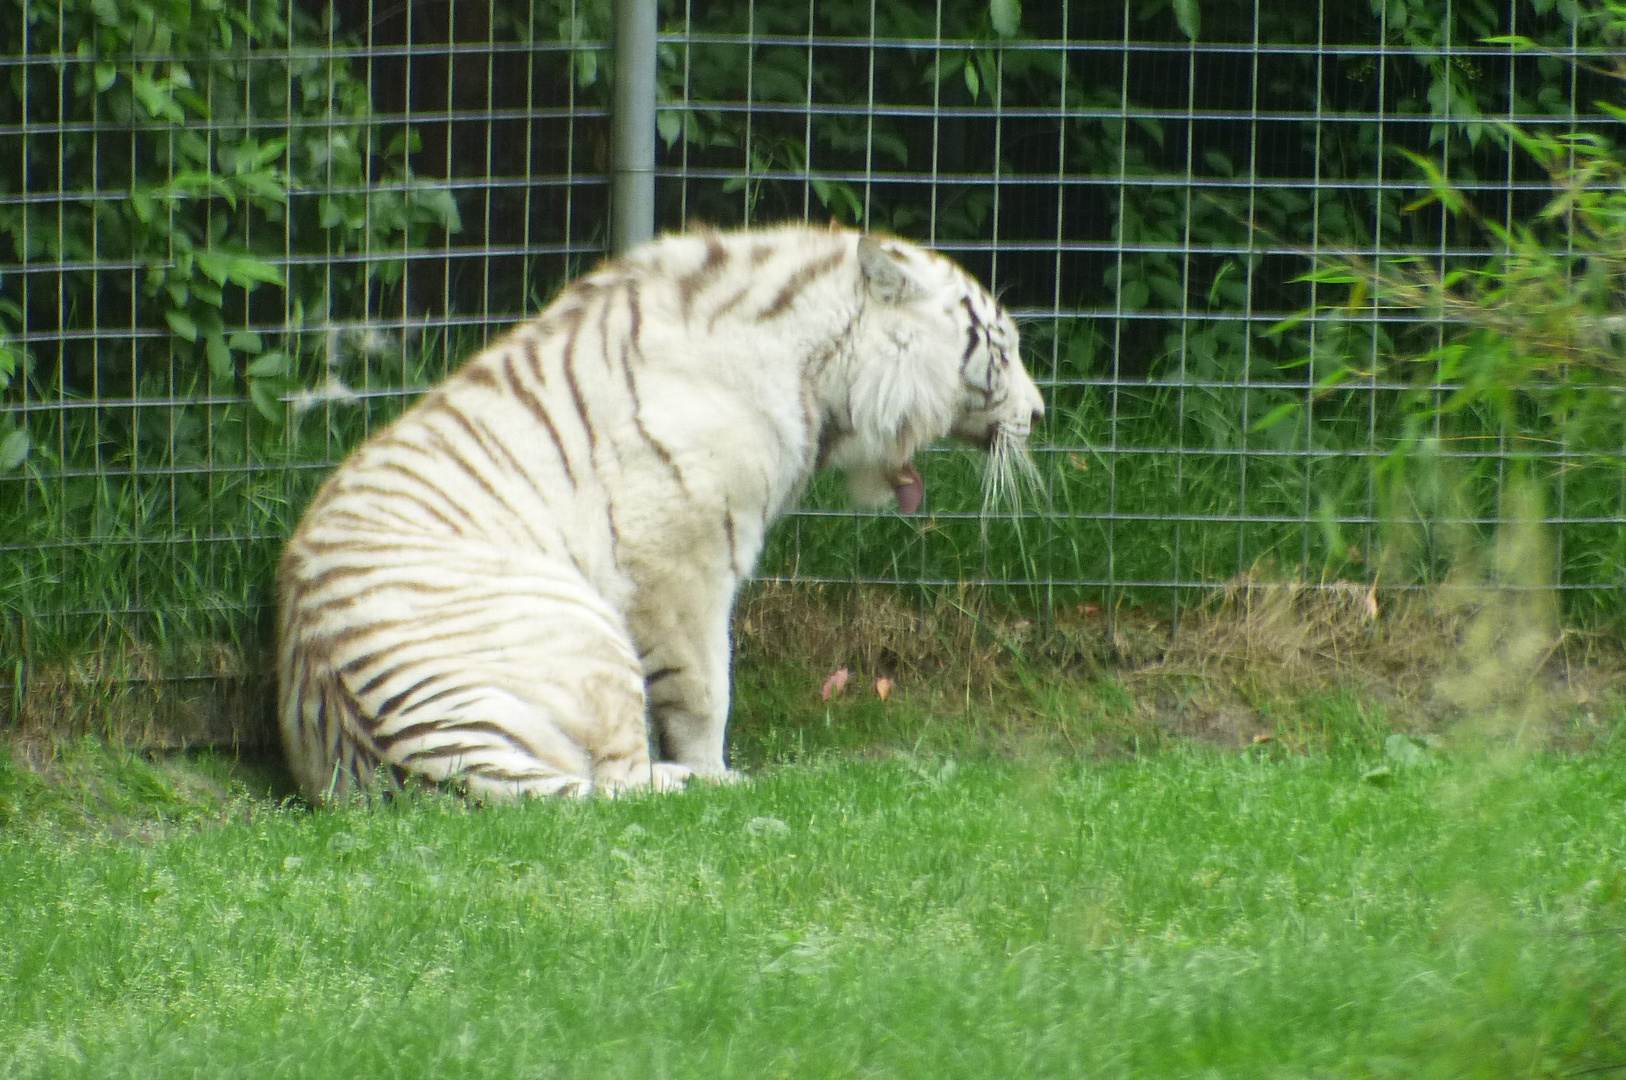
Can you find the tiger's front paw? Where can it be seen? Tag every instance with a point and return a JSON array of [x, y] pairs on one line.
[[657, 776], [669, 776]]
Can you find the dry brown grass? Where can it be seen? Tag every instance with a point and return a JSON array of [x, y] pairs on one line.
[[208, 695], [1482, 655], [1491, 655]]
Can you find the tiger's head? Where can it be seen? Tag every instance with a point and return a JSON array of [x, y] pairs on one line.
[[933, 355]]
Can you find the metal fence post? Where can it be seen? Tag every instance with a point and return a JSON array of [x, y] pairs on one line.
[[632, 195]]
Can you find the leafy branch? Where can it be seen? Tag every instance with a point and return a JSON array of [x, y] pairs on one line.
[[1535, 336]]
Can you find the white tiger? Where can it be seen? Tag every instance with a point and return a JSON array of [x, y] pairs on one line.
[[533, 569]]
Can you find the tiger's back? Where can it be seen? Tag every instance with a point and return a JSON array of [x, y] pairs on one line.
[[507, 585]]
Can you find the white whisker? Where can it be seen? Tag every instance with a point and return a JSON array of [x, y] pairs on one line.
[[1010, 478]]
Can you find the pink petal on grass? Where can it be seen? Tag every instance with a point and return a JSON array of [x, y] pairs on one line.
[[835, 683], [883, 687]]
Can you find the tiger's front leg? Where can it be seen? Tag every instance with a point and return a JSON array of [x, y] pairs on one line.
[[686, 657]]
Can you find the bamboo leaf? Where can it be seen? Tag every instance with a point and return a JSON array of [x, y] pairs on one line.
[[1190, 18], [1006, 15], [271, 365], [14, 449], [1276, 415], [182, 324]]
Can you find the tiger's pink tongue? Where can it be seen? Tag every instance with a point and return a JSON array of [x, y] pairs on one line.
[[911, 489]]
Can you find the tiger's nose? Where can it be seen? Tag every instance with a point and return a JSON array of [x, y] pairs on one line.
[[1038, 415]]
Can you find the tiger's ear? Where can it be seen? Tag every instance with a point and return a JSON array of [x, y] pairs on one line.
[[886, 276]]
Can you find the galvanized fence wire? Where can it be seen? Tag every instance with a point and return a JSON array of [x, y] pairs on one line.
[[235, 247], [1147, 208]]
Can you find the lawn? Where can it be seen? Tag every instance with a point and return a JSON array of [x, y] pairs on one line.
[[1187, 912]]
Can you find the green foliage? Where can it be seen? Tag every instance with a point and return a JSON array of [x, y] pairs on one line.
[[14, 360], [1537, 338], [204, 183], [208, 150], [1522, 353]]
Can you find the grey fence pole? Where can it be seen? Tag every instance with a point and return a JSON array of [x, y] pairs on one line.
[[632, 194]]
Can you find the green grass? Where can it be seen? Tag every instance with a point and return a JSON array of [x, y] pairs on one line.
[[88, 788], [1187, 913]]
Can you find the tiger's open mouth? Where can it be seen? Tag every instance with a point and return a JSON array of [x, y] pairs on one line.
[[910, 488]]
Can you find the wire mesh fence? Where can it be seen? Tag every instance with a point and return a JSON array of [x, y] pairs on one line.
[[238, 237]]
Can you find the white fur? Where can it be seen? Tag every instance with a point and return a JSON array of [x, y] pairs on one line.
[[497, 589]]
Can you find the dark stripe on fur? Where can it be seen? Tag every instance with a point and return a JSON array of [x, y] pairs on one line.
[[328, 547], [829, 435], [494, 772], [430, 727], [356, 665], [322, 579], [452, 452], [635, 318], [571, 337], [496, 731], [353, 634], [386, 499], [430, 753], [689, 285], [534, 404], [422, 483], [727, 306], [604, 310], [804, 276], [480, 375], [439, 695], [411, 731], [812, 429], [390, 704], [319, 582], [973, 333], [638, 422], [492, 447]]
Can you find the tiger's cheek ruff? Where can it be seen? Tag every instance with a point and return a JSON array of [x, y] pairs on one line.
[[505, 588]]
